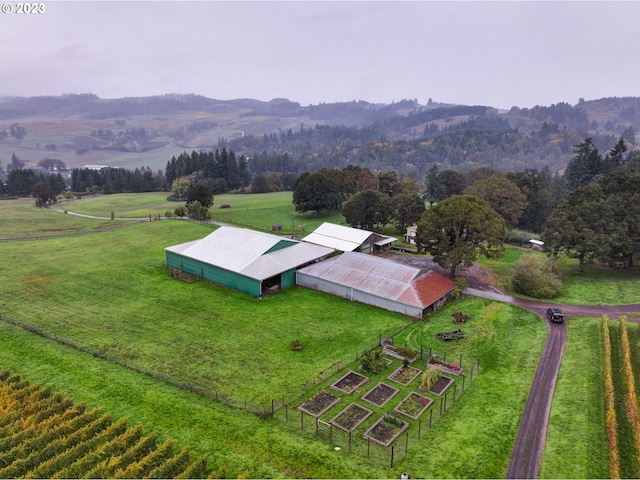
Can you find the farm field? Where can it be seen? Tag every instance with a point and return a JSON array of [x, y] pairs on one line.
[[109, 291]]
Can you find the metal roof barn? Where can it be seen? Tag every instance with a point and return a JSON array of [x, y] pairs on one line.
[[347, 239], [243, 259], [378, 281]]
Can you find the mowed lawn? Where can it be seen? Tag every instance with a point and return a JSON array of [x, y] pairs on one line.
[[110, 291]]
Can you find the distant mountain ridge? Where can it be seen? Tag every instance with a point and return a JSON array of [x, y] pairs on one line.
[[135, 131]]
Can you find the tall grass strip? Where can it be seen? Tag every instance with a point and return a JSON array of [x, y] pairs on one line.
[[631, 401], [611, 421]]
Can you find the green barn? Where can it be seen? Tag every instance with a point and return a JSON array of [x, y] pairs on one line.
[[251, 262]]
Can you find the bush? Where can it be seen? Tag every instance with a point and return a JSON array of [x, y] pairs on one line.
[[372, 361], [536, 277], [461, 284]]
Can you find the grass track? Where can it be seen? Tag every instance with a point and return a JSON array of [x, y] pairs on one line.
[[576, 442]]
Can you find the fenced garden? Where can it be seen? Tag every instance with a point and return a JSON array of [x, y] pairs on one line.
[[384, 404]]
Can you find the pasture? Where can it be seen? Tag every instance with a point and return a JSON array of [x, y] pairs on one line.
[[109, 291], [258, 212]]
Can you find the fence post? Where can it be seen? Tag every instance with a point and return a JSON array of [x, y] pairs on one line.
[[445, 401], [455, 386], [406, 443], [419, 427], [430, 417], [392, 446], [463, 383]]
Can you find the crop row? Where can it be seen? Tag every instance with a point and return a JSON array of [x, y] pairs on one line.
[[44, 435], [611, 421]]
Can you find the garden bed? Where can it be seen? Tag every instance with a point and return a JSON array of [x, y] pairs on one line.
[[319, 403], [380, 394], [386, 430], [440, 386], [452, 368], [398, 352], [349, 382], [351, 417], [414, 405], [404, 375]]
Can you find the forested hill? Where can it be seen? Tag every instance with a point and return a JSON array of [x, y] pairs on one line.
[[404, 136]]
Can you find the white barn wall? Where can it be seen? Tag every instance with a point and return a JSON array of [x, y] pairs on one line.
[[349, 293]]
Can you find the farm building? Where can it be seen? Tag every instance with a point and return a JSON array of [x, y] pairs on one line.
[[347, 239], [378, 281], [245, 260]]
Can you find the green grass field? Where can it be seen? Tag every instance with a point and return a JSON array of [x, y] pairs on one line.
[[594, 286], [109, 291], [259, 212]]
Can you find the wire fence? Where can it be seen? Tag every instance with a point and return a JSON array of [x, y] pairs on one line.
[[362, 439]]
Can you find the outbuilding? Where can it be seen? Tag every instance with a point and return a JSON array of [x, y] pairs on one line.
[[348, 239], [378, 281], [245, 260]]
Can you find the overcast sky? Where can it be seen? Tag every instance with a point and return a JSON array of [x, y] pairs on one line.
[[490, 53]]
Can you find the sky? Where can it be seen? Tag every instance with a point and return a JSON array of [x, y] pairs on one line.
[[501, 54]]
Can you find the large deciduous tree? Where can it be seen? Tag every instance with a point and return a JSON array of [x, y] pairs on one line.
[[459, 229], [365, 209], [406, 209], [503, 196], [316, 192], [540, 203]]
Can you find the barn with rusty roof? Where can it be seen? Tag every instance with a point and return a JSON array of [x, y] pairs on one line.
[[242, 259], [379, 282]]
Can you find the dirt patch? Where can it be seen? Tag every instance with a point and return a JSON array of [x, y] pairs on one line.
[[476, 276], [319, 403], [380, 394], [349, 382]]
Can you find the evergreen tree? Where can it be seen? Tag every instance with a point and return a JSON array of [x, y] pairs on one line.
[[584, 166]]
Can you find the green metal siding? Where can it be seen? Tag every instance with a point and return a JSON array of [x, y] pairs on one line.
[[215, 274], [280, 245], [288, 279]]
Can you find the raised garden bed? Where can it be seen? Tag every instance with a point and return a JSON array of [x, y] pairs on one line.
[[404, 375], [440, 386], [414, 405], [452, 368], [349, 382], [319, 403], [351, 417], [386, 430], [399, 353], [380, 394]]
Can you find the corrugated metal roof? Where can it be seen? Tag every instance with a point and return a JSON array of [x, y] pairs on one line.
[[331, 242], [383, 278], [285, 259], [243, 251], [339, 237]]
